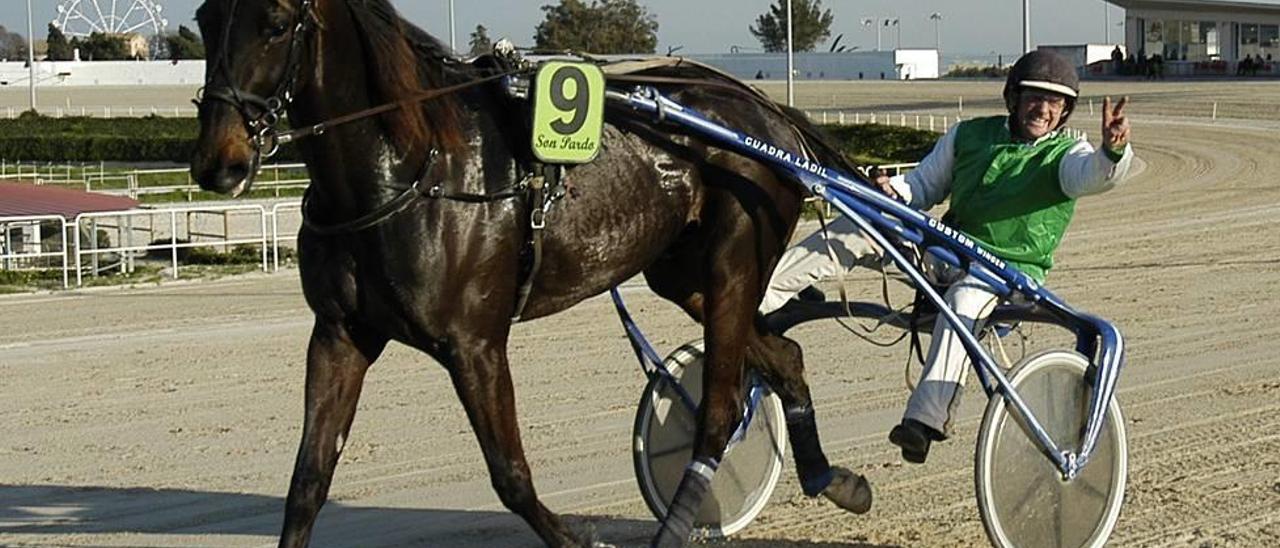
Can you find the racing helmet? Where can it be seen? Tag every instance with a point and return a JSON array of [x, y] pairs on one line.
[[1047, 71]]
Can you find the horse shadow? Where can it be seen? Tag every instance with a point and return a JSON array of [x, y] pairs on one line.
[[53, 514]]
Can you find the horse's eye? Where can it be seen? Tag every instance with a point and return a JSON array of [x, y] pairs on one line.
[[278, 30]]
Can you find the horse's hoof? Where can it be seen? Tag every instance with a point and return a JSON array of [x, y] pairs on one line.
[[849, 491]]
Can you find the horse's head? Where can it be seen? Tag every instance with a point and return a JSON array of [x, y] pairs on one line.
[[253, 52]]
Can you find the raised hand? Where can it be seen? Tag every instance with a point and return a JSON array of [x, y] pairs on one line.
[[1115, 126]]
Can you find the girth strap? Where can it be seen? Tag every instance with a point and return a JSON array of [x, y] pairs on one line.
[[538, 205]]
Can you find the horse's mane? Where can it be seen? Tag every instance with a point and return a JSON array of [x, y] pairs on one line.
[[404, 61]]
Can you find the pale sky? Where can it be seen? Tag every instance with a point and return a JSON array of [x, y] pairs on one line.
[[971, 27]]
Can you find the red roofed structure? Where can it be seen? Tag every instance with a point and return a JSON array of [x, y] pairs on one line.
[[26, 199]]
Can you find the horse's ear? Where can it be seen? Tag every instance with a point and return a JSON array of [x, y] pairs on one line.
[[397, 74]]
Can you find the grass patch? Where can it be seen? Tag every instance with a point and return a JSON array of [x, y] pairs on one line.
[[877, 144], [197, 263]]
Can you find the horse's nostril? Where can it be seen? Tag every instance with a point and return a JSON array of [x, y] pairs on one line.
[[223, 178], [236, 173]]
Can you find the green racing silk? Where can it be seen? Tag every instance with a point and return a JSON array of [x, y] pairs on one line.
[[1007, 195]]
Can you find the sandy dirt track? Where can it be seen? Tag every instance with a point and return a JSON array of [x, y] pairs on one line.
[[169, 416]]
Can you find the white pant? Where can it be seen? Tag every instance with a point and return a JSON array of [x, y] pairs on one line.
[[947, 365], [808, 261], [937, 395]]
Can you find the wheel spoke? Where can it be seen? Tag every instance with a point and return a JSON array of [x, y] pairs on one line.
[[1100, 493], [1032, 488]]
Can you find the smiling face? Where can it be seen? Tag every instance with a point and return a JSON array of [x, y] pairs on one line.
[[1037, 113]]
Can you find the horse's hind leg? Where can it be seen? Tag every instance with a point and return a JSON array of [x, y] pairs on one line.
[[727, 261], [337, 359], [482, 378], [781, 362]]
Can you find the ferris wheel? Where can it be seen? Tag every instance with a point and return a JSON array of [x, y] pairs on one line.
[[80, 18]]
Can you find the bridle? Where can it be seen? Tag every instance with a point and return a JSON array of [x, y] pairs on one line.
[[261, 115]]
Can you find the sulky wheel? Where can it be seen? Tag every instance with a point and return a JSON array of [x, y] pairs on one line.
[[1022, 497], [663, 445]]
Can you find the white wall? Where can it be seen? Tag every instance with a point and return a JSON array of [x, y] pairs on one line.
[[104, 73], [858, 65], [915, 64], [1085, 54]]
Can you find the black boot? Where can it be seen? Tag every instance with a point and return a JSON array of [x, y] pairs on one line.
[[914, 438]]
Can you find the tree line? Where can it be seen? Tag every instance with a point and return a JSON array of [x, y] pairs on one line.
[[623, 26], [601, 26]]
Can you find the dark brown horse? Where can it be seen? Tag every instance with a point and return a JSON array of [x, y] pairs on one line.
[[384, 259]]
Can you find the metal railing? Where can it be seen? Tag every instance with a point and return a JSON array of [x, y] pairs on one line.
[[123, 219], [139, 182], [268, 235], [938, 123], [8, 255], [12, 113], [275, 231]]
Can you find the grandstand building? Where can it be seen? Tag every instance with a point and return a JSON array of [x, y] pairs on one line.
[[1203, 35]]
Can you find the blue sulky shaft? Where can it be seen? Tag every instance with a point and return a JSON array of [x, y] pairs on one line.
[[867, 207]]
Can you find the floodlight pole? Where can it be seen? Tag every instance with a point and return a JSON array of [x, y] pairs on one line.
[[452, 35], [791, 61], [1026, 26], [31, 56], [937, 30], [1106, 22]]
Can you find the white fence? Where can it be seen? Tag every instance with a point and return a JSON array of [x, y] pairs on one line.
[[276, 238], [125, 226], [80, 255], [14, 259], [255, 225], [133, 183], [12, 113], [939, 123]]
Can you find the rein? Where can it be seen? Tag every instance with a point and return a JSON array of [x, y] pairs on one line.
[[262, 127], [261, 116], [270, 109], [322, 127]]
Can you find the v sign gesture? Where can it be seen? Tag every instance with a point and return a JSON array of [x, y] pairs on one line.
[[1115, 126]]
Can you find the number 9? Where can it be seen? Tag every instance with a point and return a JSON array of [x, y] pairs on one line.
[[577, 106]]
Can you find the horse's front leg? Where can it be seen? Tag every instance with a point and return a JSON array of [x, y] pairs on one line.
[[337, 360], [482, 378]]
